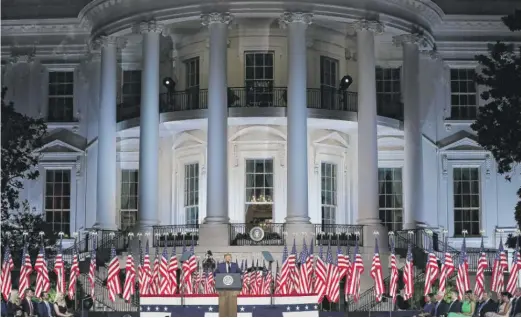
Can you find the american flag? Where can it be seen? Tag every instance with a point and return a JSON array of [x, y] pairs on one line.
[[376, 273], [356, 273], [514, 271], [75, 273], [309, 264], [304, 270], [246, 279], [447, 267], [431, 273], [479, 289], [129, 287], [92, 267], [173, 266], [462, 280], [144, 270], [210, 284], [333, 278], [320, 275], [498, 269], [164, 283], [7, 267], [113, 282], [43, 284], [154, 281], [59, 269], [348, 274], [258, 279], [343, 263], [408, 274], [293, 276], [282, 282], [189, 267], [393, 282], [25, 272]]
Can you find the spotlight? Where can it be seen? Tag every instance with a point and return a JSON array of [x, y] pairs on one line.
[[169, 83], [345, 82]]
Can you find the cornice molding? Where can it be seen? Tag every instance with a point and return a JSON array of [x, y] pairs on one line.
[[42, 27]]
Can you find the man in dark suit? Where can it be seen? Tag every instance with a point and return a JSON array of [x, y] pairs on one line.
[[440, 307], [29, 307], [228, 266], [486, 304], [455, 304], [515, 307], [45, 308]]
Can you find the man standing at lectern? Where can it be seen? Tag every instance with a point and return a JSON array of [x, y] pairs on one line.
[[228, 267]]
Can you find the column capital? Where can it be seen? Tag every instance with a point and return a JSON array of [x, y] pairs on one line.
[[369, 25], [105, 41], [295, 17], [411, 38], [216, 17], [150, 26]]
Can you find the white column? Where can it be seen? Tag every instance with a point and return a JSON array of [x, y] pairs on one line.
[[297, 186], [149, 126], [106, 189], [217, 141], [412, 171], [367, 130]]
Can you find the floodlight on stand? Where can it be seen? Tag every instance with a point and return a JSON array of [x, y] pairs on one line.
[[169, 83], [345, 82]]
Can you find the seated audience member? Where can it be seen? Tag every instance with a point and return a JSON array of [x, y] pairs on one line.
[[486, 304], [504, 307], [441, 306], [45, 308], [29, 307]]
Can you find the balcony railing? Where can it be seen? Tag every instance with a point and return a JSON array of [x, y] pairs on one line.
[[242, 234], [175, 235], [339, 234], [197, 99]]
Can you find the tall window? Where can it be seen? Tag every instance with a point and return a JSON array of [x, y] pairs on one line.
[[328, 193], [463, 94], [328, 82], [388, 91], [131, 92], [390, 198], [61, 97], [58, 200], [192, 193], [129, 198], [259, 78], [259, 191], [466, 201], [192, 82]]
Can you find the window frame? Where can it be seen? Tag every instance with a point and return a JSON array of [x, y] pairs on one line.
[[187, 207], [136, 96], [259, 95], [395, 94], [475, 94], [333, 178], [71, 182], [136, 195], [57, 96], [462, 208], [247, 201], [390, 225]]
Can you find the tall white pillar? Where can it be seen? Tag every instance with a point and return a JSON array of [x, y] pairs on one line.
[[217, 141], [149, 126], [413, 171], [367, 131], [106, 174], [297, 186], [214, 231]]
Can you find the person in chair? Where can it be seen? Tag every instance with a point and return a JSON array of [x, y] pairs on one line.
[[228, 266]]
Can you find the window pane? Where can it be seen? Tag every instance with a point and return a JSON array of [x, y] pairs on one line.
[[328, 192], [191, 198], [388, 91], [259, 181], [463, 94], [129, 197], [57, 200], [466, 200], [390, 197], [60, 96], [259, 78]]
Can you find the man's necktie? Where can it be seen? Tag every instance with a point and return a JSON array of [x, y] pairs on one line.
[[30, 307], [227, 267]]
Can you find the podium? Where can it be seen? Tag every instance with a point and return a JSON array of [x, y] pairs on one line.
[[228, 287]]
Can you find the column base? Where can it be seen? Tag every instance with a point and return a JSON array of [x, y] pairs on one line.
[[214, 235], [370, 227], [145, 226], [217, 220], [299, 231], [105, 226], [410, 226]]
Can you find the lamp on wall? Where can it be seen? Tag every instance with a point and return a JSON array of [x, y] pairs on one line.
[[345, 82], [169, 83]]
